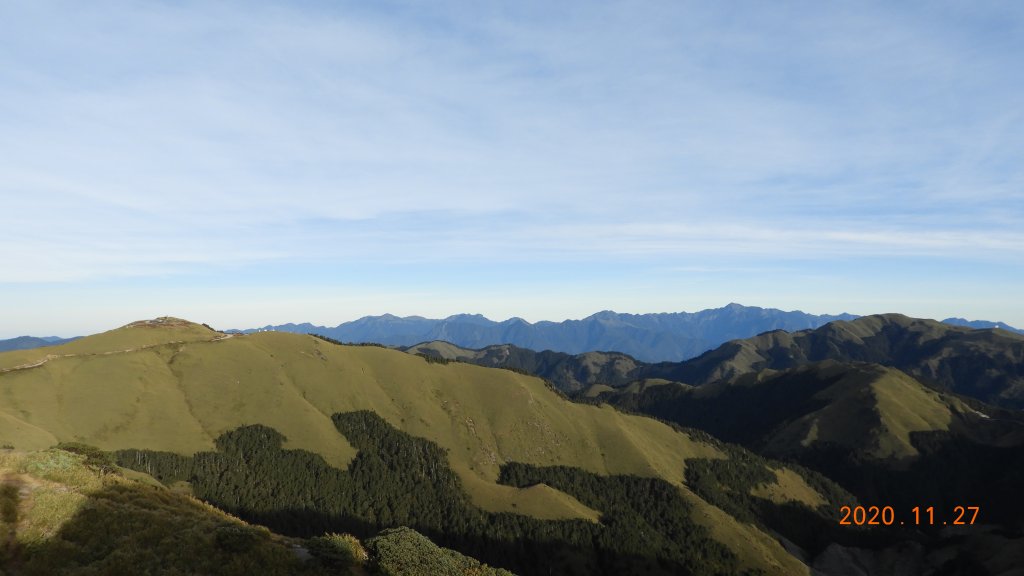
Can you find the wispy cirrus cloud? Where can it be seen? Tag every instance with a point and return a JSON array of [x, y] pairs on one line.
[[157, 140]]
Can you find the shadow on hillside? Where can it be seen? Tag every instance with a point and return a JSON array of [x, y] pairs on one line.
[[527, 555], [10, 501], [139, 529], [951, 471]]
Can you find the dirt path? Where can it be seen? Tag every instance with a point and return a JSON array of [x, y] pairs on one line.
[[49, 357]]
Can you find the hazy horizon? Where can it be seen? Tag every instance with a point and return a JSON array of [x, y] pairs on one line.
[[245, 164], [333, 323]]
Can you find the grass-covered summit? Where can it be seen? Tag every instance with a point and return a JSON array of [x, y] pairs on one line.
[[174, 386]]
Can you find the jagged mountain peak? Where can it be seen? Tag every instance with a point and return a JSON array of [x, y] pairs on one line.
[[648, 337]]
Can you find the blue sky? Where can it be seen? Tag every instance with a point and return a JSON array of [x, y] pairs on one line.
[[246, 163]]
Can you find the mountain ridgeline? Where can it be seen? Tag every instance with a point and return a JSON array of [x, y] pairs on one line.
[[570, 373], [986, 364], [648, 337], [902, 412], [306, 437], [981, 324], [753, 451], [882, 434]]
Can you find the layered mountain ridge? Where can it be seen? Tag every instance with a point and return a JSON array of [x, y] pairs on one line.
[[987, 364], [186, 402], [29, 342], [898, 410], [649, 337], [306, 436]]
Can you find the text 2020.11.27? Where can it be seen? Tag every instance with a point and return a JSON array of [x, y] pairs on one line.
[[916, 516]]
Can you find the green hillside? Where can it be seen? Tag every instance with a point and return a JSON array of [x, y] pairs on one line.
[[987, 364], [61, 516], [173, 386], [869, 411], [875, 430], [984, 364], [897, 406], [179, 396], [66, 513], [571, 373]]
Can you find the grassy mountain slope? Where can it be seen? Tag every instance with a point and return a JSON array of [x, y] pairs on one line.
[[886, 437], [61, 516], [880, 433], [985, 364], [867, 409], [175, 386], [571, 373], [397, 479], [568, 372], [60, 513]]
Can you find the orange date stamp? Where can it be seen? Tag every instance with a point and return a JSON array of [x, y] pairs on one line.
[[918, 516]]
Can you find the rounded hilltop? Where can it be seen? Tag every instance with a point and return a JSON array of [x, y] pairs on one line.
[[163, 322], [138, 335]]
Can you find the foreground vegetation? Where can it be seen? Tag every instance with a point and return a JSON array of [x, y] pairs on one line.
[[176, 387], [646, 525], [73, 513], [64, 516]]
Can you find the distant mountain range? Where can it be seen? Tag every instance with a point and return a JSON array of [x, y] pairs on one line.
[[307, 437], [981, 324], [886, 405], [29, 342], [647, 337], [987, 364]]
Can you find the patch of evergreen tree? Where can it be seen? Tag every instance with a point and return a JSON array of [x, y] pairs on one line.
[[400, 480]]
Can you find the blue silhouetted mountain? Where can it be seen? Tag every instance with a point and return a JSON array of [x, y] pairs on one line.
[[981, 324], [29, 342], [647, 337]]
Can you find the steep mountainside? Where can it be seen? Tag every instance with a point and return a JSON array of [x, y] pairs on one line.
[[570, 373], [648, 337], [878, 432], [265, 425], [869, 410], [984, 364]]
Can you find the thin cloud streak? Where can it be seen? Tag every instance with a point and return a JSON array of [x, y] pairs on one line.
[[164, 252], [169, 140]]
